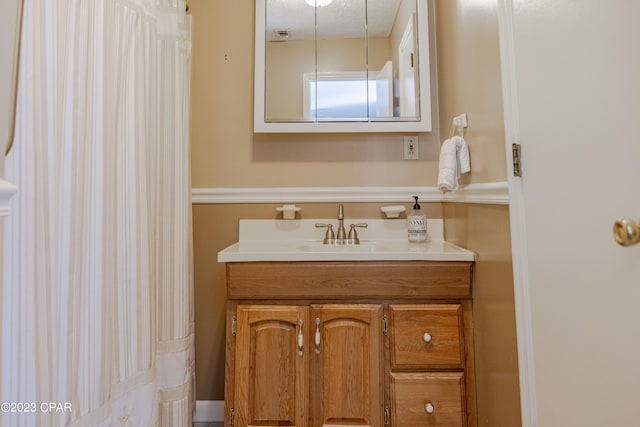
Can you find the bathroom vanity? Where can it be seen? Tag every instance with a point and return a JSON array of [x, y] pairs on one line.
[[379, 335]]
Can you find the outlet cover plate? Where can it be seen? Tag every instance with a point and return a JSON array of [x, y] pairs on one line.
[[411, 151]]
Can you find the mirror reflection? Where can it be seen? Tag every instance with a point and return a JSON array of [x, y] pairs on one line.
[[341, 60]]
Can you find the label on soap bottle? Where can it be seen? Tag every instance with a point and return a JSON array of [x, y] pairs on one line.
[[417, 227]]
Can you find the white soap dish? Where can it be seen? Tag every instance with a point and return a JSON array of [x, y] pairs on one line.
[[392, 211], [288, 211]]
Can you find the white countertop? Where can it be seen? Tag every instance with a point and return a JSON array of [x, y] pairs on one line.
[[299, 240]]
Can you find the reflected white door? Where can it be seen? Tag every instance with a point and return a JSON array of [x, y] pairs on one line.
[[574, 105], [406, 71]]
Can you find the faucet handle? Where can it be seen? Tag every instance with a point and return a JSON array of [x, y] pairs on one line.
[[353, 234], [329, 236]]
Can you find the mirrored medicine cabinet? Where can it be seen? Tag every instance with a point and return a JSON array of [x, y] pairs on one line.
[[342, 66]]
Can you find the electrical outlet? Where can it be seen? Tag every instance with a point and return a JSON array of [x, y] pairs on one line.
[[411, 147]]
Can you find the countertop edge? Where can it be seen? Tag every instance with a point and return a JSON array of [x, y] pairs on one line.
[[232, 254]]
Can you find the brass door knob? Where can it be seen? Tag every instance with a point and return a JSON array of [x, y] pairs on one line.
[[626, 232]]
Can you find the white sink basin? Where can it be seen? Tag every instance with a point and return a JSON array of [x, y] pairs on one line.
[[319, 247]]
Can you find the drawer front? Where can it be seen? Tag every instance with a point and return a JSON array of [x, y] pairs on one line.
[[426, 336], [427, 399]]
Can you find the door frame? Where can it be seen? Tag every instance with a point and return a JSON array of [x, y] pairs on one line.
[[522, 294]]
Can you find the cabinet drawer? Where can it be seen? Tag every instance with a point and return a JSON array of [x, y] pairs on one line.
[[427, 399], [426, 336]]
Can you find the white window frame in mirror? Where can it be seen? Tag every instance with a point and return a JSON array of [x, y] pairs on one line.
[[424, 73]]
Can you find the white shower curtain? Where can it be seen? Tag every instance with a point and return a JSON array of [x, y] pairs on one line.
[[97, 292]]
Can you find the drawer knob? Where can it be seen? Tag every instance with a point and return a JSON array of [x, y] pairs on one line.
[[426, 337], [429, 408]]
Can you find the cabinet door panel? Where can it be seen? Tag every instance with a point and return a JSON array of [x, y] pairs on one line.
[[346, 377], [271, 370]]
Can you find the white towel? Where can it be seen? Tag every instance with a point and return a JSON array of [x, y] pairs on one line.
[[454, 161]]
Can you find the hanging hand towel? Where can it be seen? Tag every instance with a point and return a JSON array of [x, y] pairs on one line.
[[454, 161]]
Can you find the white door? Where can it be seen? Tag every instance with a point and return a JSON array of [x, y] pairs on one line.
[[571, 74]]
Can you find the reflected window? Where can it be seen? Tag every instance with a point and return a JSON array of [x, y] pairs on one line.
[[349, 95], [340, 96]]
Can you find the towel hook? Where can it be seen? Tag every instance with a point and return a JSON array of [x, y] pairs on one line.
[[458, 125]]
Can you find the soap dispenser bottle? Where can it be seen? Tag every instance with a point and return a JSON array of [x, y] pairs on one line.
[[417, 224]]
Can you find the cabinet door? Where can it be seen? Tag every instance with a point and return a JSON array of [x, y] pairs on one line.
[[271, 366], [346, 372]]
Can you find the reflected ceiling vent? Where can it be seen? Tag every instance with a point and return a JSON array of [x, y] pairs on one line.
[[281, 35]]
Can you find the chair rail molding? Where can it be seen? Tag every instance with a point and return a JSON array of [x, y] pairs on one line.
[[485, 193]]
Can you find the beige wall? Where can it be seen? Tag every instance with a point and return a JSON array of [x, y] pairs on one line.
[[469, 81], [484, 229], [226, 153]]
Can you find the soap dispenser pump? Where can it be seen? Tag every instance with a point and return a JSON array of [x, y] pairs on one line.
[[417, 224]]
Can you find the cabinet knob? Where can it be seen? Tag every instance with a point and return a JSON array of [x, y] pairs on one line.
[[426, 337], [429, 408]]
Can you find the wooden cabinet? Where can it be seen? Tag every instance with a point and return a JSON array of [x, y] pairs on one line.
[[427, 399], [271, 371], [426, 335], [427, 339], [274, 380], [346, 375], [378, 344]]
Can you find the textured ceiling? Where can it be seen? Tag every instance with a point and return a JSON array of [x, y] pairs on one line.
[[340, 19]]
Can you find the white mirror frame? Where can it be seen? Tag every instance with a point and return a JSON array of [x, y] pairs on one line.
[[424, 72]]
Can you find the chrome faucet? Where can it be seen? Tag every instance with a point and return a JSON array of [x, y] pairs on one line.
[[353, 234], [329, 236], [341, 236]]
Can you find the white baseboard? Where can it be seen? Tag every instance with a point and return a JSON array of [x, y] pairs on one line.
[[209, 411]]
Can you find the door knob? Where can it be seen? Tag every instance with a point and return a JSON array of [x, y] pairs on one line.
[[626, 232]]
